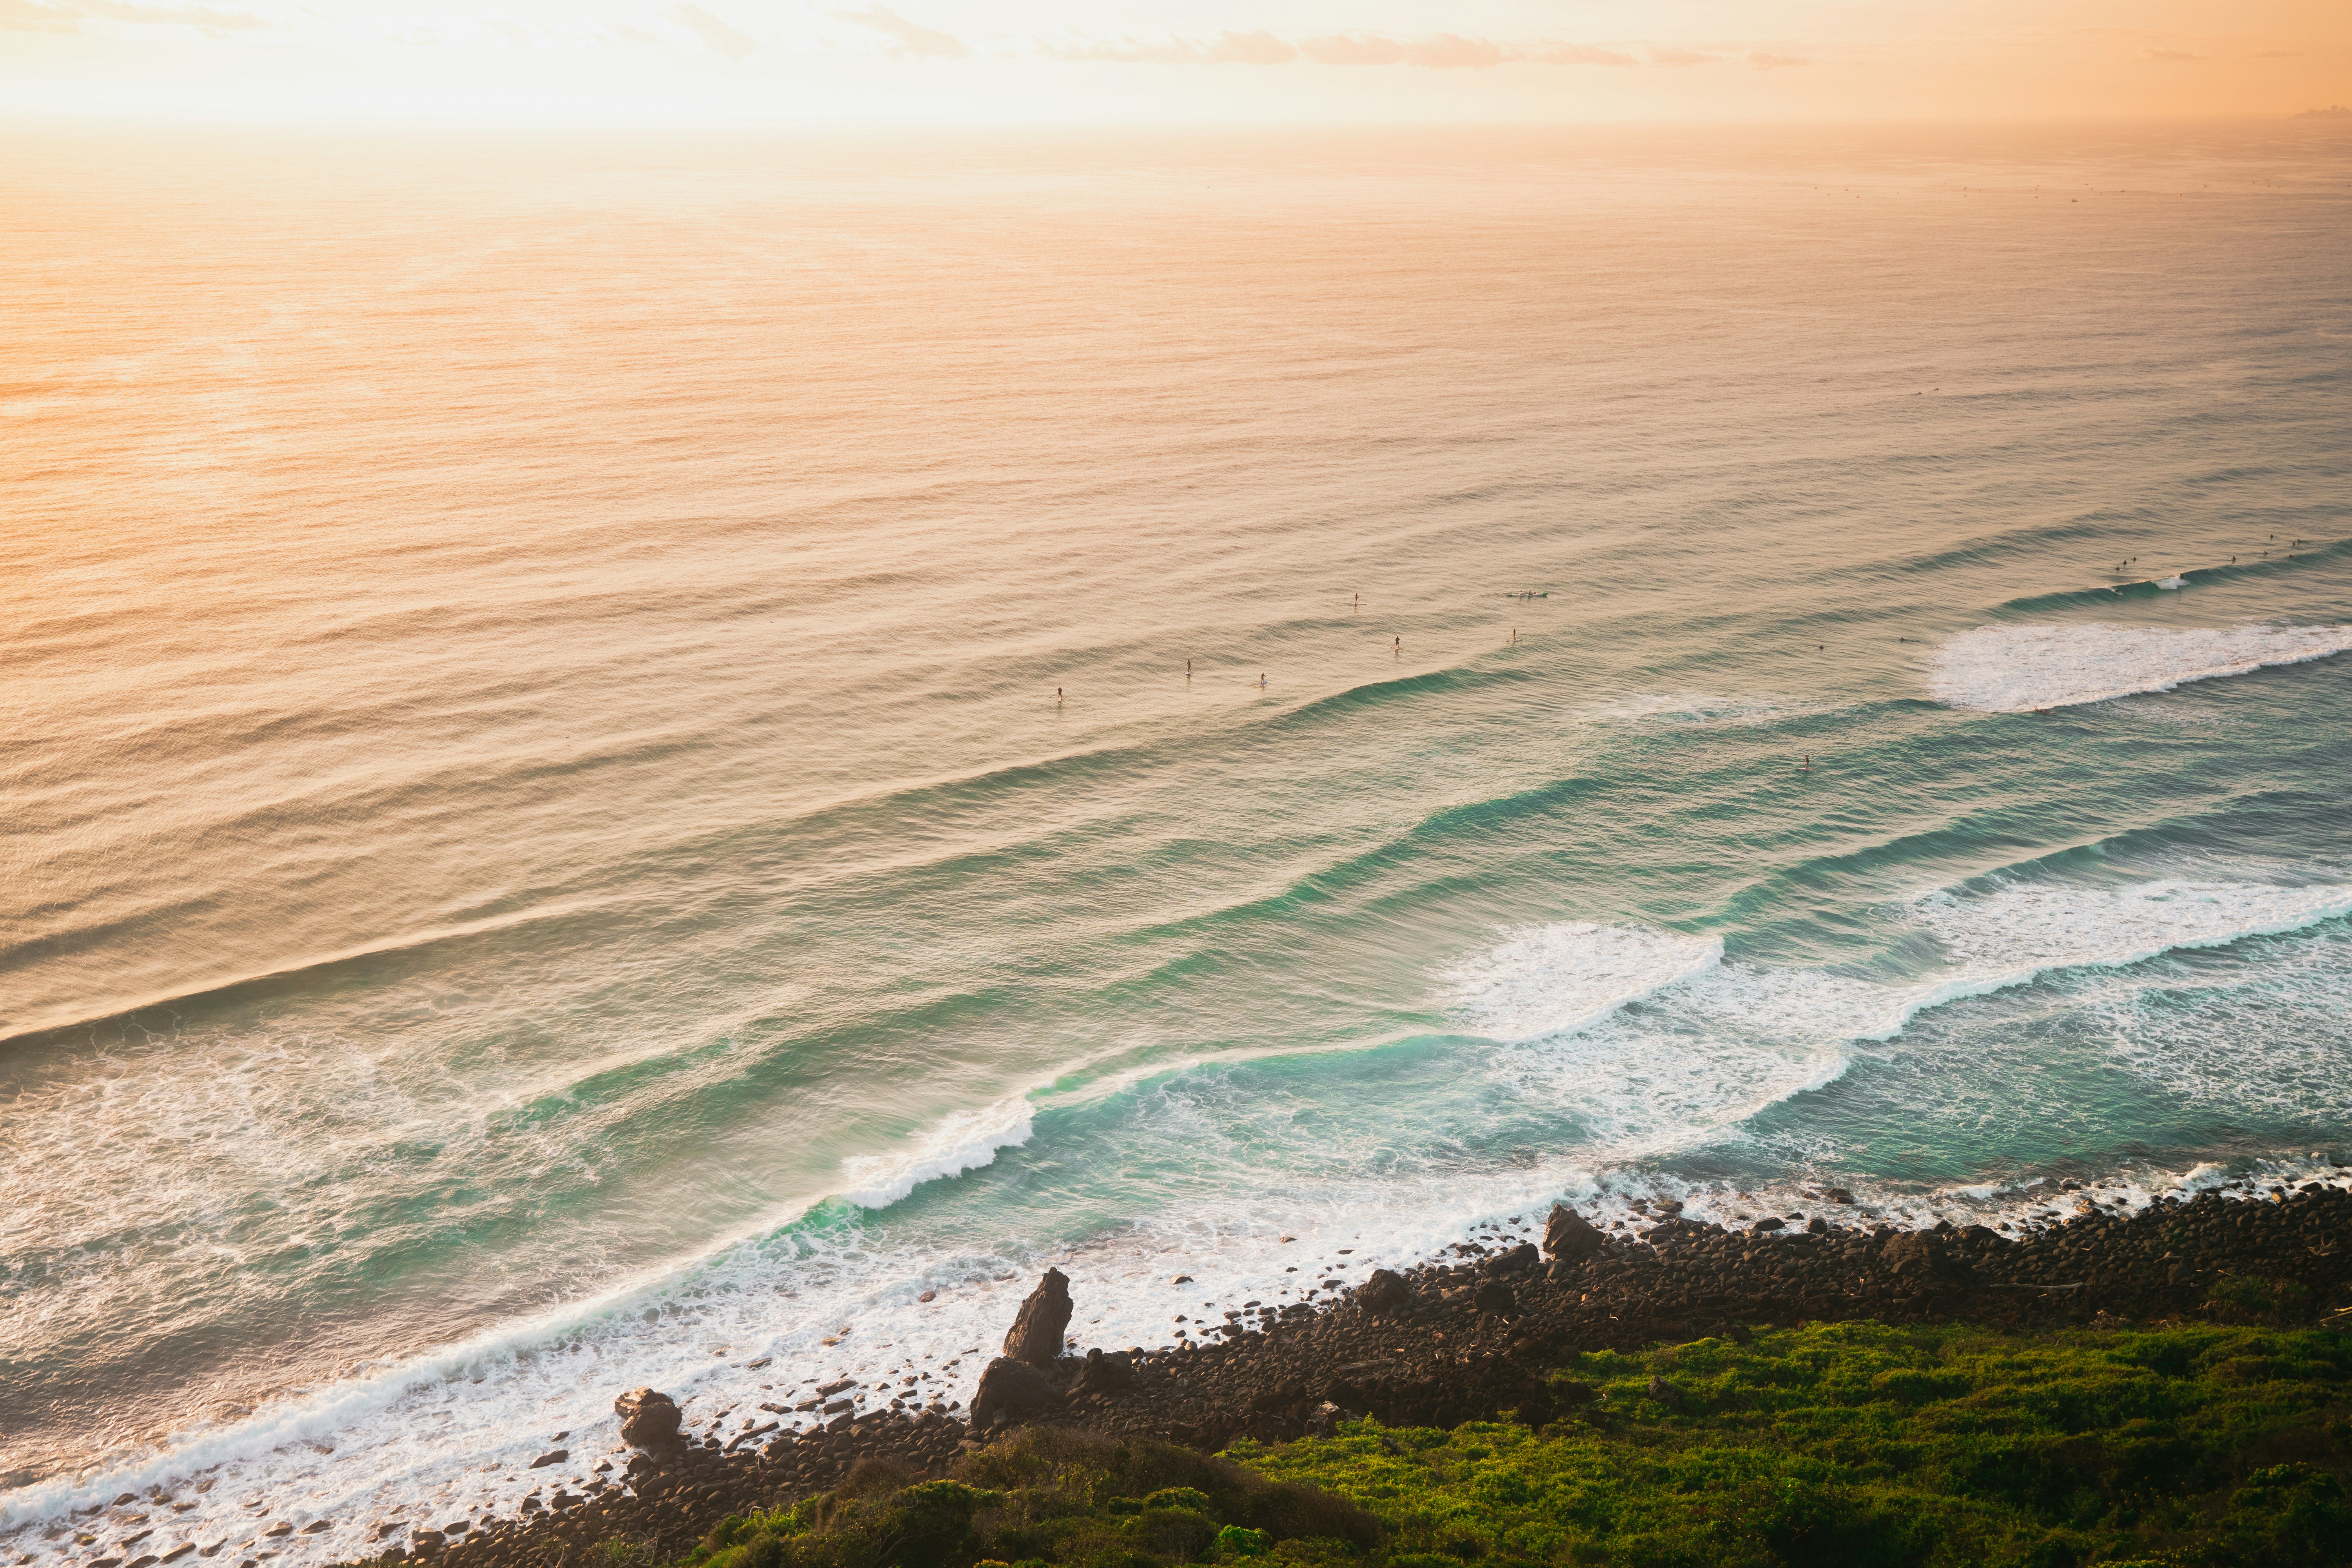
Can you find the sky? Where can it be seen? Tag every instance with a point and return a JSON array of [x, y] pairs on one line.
[[1238, 62]]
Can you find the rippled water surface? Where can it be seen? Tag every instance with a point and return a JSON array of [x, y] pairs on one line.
[[602, 783]]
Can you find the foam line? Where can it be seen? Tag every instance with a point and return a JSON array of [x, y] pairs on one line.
[[2017, 669], [959, 1142], [1555, 979], [965, 1141]]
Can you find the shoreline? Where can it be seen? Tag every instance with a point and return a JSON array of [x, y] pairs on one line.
[[1446, 1343]]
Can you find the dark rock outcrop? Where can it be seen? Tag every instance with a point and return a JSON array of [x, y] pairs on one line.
[[649, 1420], [1102, 1374], [1013, 1390], [1385, 1291], [1513, 1261], [1035, 1336], [1569, 1237]]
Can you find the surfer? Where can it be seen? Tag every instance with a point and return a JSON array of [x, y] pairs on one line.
[[1807, 766]]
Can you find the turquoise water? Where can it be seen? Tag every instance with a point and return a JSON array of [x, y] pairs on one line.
[[546, 855]]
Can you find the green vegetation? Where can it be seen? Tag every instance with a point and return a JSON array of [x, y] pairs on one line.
[[1841, 1444]]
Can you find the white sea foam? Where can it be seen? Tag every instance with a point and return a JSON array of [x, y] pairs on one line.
[[1720, 1040], [964, 1140], [1699, 707], [1713, 1043], [2016, 669], [1554, 979]]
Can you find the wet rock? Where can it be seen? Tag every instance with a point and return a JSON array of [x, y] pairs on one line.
[[1570, 1236], [1385, 1291], [1911, 1252], [553, 1457], [1769, 1222], [1513, 1261], [1817, 1226], [1011, 1390], [1103, 1374], [1836, 1195], [649, 1420], [1283, 1396], [1036, 1335]]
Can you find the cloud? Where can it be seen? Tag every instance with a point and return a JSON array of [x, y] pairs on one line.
[[721, 38], [1659, 56], [1451, 51], [1439, 51], [1765, 62], [1340, 50], [2169, 55], [1258, 48], [67, 16], [914, 39], [1578, 54]]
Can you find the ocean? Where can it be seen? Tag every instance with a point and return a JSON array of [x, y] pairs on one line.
[[679, 760]]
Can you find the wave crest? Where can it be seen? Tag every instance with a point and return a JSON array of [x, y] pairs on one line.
[[2016, 669]]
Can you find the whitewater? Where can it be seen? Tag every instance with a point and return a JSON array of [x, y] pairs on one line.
[[680, 767]]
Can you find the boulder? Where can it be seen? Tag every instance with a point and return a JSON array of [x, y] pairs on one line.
[[1035, 1336], [1921, 1256], [1011, 1390], [1568, 1236], [1514, 1260], [649, 1419], [1384, 1292], [1103, 1373], [1494, 1296]]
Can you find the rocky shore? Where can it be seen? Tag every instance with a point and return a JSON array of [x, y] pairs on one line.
[[1458, 1341]]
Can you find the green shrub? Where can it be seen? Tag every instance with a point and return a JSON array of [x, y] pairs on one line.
[[1840, 1445], [1234, 1542]]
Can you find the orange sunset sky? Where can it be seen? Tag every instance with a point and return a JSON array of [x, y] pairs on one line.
[[918, 62]]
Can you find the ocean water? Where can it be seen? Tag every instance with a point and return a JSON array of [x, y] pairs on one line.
[[624, 758]]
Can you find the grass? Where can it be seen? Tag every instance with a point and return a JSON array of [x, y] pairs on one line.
[[1840, 1443]]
